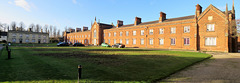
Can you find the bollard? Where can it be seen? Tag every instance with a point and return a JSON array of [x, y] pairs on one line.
[[9, 54], [79, 72]]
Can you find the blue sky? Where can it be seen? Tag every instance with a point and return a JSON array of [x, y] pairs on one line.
[[79, 13]]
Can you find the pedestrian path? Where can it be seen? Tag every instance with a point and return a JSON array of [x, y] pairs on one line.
[[223, 67]]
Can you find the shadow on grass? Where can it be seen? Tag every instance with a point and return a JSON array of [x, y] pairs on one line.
[[96, 66]]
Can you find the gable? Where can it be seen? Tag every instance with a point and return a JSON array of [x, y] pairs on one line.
[[214, 9]]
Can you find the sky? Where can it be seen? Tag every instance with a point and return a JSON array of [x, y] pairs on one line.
[[79, 13]]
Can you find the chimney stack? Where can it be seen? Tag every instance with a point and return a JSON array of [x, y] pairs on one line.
[[162, 17], [78, 29], [119, 23], [85, 28], [72, 30], [137, 21], [198, 10]]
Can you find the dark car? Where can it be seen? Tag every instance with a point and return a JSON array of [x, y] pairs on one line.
[[118, 45], [78, 44], [63, 44]]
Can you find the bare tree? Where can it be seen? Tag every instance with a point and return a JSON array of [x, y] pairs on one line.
[[1, 27], [55, 32], [50, 33], [32, 26], [37, 28], [58, 33], [13, 26], [22, 26], [5, 26], [46, 28]]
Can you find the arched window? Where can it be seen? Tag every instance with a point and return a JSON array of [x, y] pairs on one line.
[[95, 33]]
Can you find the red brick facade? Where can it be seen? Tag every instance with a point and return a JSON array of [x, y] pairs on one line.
[[208, 30]]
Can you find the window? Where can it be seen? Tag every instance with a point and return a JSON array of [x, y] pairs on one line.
[[186, 29], [27, 35], [151, 41], [127, 33], [120, 33], [33, 40], [88, 35], [210, 27], [173, 30], [20, 35], [27, 40], [142, 41], [134, 41], [120, 41], [114, 41], [173, 41], [82, 36], [109, 34], [85, 41], [127, 41], [210, 41], [186, 41], [142, 32], [85, 36], [134, 33], [161, 41], [115, 34], [109, 41], [39, 36], [44, 41], [94, 33], [161, 31], [151, 32], [33, 36], [13, 40], [44, 36]]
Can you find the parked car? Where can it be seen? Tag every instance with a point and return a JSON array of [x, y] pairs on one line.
[[63, 44], [78, 44], [118, 45], [105, 45]]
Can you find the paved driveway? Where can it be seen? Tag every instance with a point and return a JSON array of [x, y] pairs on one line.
[[222, 68]]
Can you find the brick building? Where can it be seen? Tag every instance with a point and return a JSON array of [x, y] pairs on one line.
[[208, 30]]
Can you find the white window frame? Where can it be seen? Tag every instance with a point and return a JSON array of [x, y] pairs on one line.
[[134, 41], [127, 41], [173, 41], [127, 33], [142, 32], [120, 34], [109, 34], [173, 30], [161, 31], [114, 41], [211, 41], [210, 27], [134, 33], [142, 41], [120, 40], [186, 29], [151, 41], [186, 41], [151, 32], [114, 34], [109, 41], [161, 41]]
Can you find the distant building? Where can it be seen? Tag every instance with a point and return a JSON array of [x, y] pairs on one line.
[[3, 36], [15, 36]]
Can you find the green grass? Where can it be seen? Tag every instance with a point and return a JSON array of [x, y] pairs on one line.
[[59, 64]]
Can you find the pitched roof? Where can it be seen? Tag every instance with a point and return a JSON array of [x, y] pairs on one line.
[[157, 21]]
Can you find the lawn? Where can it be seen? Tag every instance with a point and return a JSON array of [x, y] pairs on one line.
[[59, 64]]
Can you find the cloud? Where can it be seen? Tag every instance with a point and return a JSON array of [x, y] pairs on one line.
[[22, 3], [74, 1]]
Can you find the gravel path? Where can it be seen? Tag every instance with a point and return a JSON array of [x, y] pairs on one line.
[[221, 68]]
